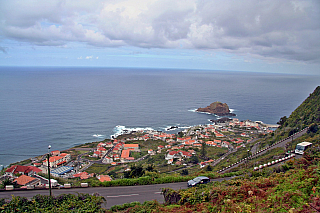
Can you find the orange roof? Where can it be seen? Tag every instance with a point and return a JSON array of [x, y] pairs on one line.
[[125, 153], [24, 179], [53, 159], [131, 145], [63, 154], [104, 178]]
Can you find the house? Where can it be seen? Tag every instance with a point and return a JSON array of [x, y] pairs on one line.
[[97, 154], [192, 151], [211, 143], [172, 154], [24, 170], [160, 147], [130, 159], [25, 180], [54, 161], [185, 154], [107, 160], [83, 175], [66, 157], [135, 147], [55, 153], [151, 152], [116, 157], [225, 144], [125, 154], [170, 161], [203, 164], [103, 178]]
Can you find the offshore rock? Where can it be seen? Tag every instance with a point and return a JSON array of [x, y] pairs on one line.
[[217, 108]]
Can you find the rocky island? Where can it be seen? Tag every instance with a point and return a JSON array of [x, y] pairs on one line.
[[217, 108]]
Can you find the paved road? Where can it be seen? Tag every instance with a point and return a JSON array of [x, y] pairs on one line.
[[281, 144], [114, 195]]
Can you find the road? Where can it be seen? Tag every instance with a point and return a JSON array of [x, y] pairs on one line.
[[113, 195], [280, 144]]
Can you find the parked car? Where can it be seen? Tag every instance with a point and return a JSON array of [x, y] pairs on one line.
[[198, 180]]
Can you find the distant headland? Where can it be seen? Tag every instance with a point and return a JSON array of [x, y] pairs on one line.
[[217, 108]]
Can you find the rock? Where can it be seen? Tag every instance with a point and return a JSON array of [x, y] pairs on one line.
[[217, 108]]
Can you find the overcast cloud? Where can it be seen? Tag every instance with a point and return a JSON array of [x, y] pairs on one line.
[[282, 30]]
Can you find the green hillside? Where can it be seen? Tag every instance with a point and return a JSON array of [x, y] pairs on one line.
[[306, 114]]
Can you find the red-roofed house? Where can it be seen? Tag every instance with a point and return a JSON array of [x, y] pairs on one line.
[[185, 154], [225, 144], [24, 170], [135, 147], [125, 154], [55, 161], [103, 178], [25, 180], [55, 153], [160, 147], [83, 175], [172, 154]]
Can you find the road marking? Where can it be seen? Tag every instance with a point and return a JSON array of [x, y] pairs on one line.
[[123, 195]]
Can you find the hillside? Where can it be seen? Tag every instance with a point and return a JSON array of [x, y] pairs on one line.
[[306, 114]]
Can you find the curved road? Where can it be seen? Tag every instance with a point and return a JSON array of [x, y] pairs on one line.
[[113, 195], [281, 144]]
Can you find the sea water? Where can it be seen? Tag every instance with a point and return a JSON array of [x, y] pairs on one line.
[[68, 106]]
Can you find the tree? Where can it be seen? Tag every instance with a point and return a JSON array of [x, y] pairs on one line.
[[313, 128], [135, 171], [208, 168], [194, 159], [203, 151], [282, 120], [150, 168], [5, 182], [184, 172]]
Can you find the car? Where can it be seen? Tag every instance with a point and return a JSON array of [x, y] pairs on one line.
[[198, 180]]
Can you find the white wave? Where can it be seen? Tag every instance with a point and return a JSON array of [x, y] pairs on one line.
[[232, 110], [119, 130], [192, 110], [98, 136]]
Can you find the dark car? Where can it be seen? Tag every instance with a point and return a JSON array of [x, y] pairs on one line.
[[198, 180]]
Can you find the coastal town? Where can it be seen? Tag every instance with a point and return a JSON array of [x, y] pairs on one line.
[[174, 151]]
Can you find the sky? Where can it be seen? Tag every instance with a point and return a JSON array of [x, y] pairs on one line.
[[248, 35]]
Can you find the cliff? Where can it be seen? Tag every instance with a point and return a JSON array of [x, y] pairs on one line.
[[217, 108]]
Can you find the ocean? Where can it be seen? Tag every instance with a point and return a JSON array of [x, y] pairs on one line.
[[68, 106]]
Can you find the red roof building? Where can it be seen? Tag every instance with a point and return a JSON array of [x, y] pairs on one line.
[[24, 170]]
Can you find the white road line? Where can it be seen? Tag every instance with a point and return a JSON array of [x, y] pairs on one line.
[[123, 195]]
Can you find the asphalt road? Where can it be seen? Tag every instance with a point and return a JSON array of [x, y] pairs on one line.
[[113, 195], [282, 144]]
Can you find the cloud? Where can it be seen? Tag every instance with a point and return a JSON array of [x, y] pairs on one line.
[[282, 30]]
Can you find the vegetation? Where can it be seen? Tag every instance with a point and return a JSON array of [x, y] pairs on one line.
[[61, 203], [308, 113], [293, 187]]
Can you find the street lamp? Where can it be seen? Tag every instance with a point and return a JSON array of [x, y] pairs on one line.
[[248, 157], [48, 156]]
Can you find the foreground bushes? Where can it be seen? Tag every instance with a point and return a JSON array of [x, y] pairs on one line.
[[61, 203]]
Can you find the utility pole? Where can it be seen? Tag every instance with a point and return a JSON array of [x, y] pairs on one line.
[[48, 156]]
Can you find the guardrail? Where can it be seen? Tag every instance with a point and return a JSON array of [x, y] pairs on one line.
[[262, 150]]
